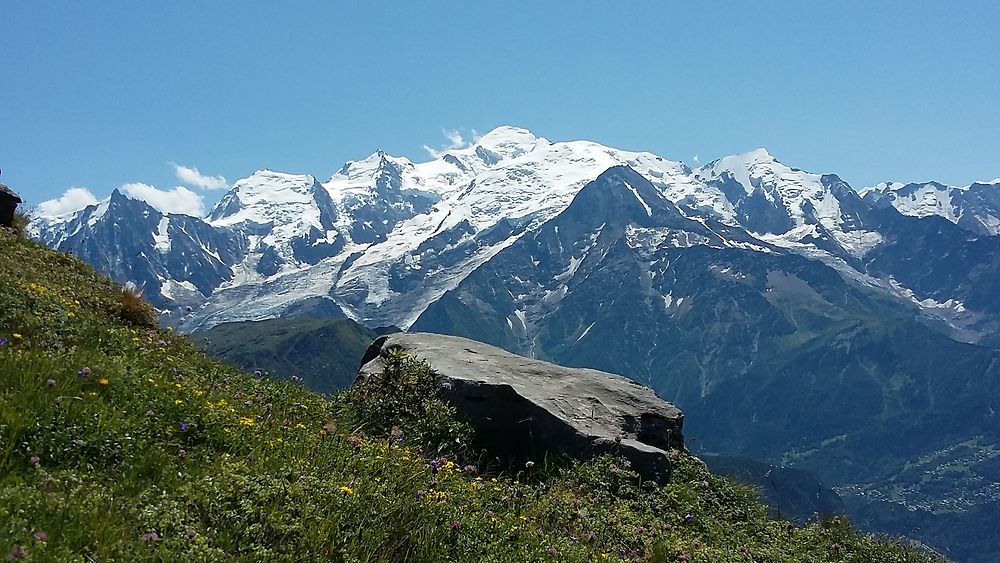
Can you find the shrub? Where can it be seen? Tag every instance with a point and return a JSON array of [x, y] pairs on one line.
[[21, 219], [404, 395], [135, 310]]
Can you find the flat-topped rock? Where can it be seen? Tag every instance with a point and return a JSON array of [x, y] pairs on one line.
[[8, 204], [524, 409]]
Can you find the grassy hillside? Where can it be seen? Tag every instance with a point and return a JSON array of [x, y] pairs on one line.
[[119, 441], [324, 353]]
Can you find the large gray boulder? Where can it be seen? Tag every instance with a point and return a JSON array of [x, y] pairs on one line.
[[524, 409], [8, 204]]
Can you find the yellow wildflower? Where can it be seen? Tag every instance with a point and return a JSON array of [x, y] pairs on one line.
[[300, 426], [104, 381], [71, 314], [178, 401], [246, 421], [17, 335], [346, 490]]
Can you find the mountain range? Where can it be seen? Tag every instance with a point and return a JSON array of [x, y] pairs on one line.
[[852, 333]]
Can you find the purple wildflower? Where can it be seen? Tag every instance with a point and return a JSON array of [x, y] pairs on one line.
[[591, 537], [553, 552], [247, 404], [455, 524], [688, 517], [162, 343], [260, 418], [35, 460], [51, 383], [40, 536], [574, 539], [518, 493], [435, 464], [83, 372], [489, 514], [420, 494], [150, 537], [184, 427], [16, 553], [469, 468], [3, 340]]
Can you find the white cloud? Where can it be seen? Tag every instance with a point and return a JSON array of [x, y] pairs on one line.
[[177, 200], [73, 199], [696, 159], [456, 140], [193, 177]]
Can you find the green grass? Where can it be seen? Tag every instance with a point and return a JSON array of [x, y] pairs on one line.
[[123, 442]]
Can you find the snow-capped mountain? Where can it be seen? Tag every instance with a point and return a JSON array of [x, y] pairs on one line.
[[384, 237], [975, 207]]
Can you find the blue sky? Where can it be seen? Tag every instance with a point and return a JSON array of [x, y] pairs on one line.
[[101, 94]]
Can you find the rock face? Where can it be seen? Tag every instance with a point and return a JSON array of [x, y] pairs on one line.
[[8, 203], [523, 409]]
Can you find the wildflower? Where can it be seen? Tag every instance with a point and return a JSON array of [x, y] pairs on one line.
[[346, 490], [83, 372], [3, 340], [420, 495], [688, 517], [329, 427], [296, 379], [16, 553], [469, 468], [150, 413], [591, 537], [553, 552], [574, 539], [300, 426], [178, 401], [191, 533], [618, 438], [247, 421], [162, 343], [489, 514], [40, 536], [529, 464], [104, 381], [71, 314], [17, 335], [256, 373], [184, 427], [639, 530], [518, 493], [181, 452], [51, 383], [35, 460], [150, 537], [259, 418], [455, 524]]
